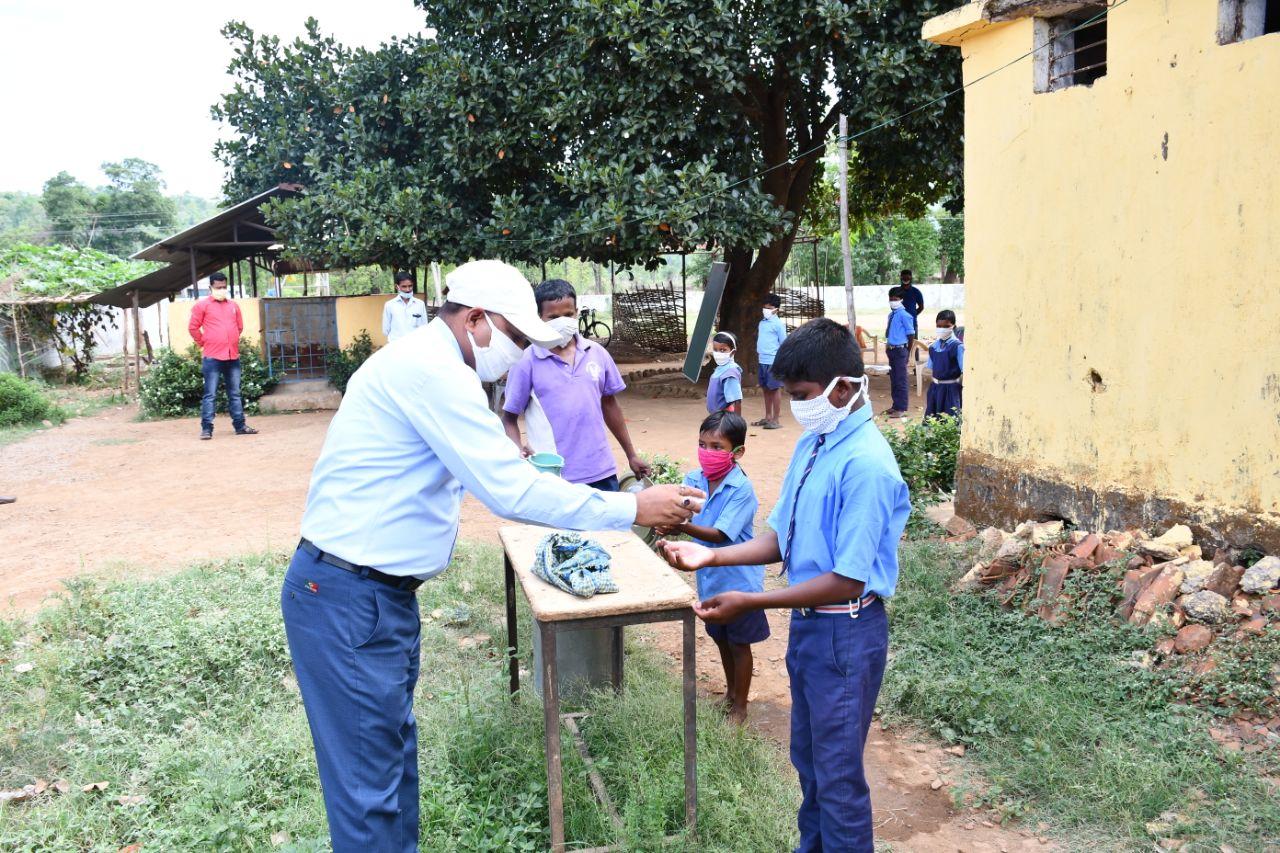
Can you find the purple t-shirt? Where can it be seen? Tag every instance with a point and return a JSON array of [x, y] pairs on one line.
[[570, 395]]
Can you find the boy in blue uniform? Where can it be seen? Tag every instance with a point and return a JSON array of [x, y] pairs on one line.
[[836, 527], [898, 338], [727, 518], [769, 337], [946, 361], [724, 390]]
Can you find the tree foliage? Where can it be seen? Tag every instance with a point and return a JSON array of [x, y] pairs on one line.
[[951, 247], [592, 129], [130, 212]]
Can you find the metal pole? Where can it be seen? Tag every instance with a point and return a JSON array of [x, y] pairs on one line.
[[195, 288], [843, 142]]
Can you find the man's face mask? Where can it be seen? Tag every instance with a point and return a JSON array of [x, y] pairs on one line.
[[219, 293]]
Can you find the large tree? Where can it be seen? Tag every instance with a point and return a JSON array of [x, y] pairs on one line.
[[120, 218], [594, 129]]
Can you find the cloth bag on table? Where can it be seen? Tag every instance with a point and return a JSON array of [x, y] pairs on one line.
[[575, 564]]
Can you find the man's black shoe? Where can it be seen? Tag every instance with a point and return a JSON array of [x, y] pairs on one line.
[[246, 431], [206, 434]]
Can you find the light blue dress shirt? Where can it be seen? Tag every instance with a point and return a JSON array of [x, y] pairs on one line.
[[852, 509], [731, 509], [413, 430], [770, 336], [901, 327], [399, 318]]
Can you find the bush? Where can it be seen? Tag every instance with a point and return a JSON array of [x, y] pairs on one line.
[[342, 364], [174, 385], [926, 453], [666, 470], [23, 402]]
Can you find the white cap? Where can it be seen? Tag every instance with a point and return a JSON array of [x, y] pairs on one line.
[[500, 288]]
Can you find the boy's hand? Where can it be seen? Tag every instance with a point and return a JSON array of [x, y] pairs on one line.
[[526, 451], [659, 506], [685, 556], [723, 608], [639, 467]]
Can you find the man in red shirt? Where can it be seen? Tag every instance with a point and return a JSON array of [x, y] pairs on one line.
[[215, 326]]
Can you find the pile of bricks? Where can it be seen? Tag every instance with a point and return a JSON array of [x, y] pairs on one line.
[[1163, 581]]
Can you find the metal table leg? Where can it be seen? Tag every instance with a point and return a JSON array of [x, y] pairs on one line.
[[513, 661], [551, 724], [690, 726], [616, 654]]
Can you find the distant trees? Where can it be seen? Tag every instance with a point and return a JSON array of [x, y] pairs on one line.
[[120, 218]]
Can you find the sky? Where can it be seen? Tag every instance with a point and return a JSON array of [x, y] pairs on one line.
[[88, 82]]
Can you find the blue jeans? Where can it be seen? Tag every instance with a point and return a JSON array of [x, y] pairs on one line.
[[608, 484], [229, 371], [898, 377], [354, 644], [836, 665]]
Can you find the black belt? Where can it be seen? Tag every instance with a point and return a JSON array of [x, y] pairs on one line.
[[395, 581]]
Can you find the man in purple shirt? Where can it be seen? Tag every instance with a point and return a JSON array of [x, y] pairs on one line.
[[575, 384]]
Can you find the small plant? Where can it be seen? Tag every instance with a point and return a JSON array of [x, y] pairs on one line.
[[666, 470], [342, 364], [926, 453], [174, 385], [24, 402]]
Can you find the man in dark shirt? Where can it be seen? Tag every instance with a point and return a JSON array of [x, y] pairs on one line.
[[913, 301]]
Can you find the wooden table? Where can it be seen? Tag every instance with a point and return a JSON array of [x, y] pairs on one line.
[[649, 591]]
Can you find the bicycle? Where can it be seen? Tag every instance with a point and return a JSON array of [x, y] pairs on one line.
[[590, 327]]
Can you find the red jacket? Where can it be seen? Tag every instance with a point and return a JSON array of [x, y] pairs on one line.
[[215, 327]]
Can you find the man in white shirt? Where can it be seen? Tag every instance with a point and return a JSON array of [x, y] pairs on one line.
[[415, 429], [405, 312]]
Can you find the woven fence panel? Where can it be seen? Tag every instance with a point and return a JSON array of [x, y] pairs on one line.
[[650, 317], [799, 307]]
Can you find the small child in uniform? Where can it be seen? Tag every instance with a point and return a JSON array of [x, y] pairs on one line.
[[841, 511], [724, 391], [946, 360], [769, 337], [727, 518]]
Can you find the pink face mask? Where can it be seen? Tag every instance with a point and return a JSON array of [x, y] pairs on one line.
[[715, 463]]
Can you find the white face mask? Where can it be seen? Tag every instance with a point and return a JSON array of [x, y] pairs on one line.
[[721, 358], [818, 415], [493, 361], [219, 293], [945, 333], [769, 312], [895, 304], [566, 327], [406, 296]]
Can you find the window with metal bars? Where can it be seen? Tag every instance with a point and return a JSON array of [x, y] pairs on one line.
[[1245, 19], [1071, 49]]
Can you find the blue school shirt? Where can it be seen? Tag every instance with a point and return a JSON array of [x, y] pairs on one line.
[[946, 359], [725, 387], [731, 509], [770, 336], [901, 327], [852, 510]]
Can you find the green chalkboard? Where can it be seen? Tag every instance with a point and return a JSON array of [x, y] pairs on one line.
[[706, 320]]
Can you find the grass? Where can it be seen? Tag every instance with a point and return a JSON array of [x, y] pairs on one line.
[[178, 691], [1064, 726], [74, 401]]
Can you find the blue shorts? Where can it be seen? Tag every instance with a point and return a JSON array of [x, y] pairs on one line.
[[767, 382], [752, 628], [608, 484]]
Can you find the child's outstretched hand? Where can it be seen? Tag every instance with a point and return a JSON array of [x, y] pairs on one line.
[[723, 608], [685, 556]]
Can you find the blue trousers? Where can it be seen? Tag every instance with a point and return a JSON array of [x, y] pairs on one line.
[[354, 644], [898, 377], [836, 665], [229, 371], [944, 399]]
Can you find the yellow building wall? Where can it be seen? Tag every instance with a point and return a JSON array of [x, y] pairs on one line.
[[356, 313], [1123, 279], [180, 316]]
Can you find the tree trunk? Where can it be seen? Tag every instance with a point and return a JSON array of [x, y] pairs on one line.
[[750, 281]]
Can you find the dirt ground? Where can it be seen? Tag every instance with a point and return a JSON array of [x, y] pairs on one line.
[[111, 495]]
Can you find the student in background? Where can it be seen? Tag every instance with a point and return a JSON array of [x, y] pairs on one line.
[[770, 336], [913, 301], [724, 391], [575, 383], [404, 312], [727, 518], [946, 361], [842, 509], [898, 339]]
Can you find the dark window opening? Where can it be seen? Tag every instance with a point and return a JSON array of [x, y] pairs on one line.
[[1072, 49]]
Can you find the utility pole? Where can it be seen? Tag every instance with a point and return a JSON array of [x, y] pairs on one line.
[[843, 141]]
